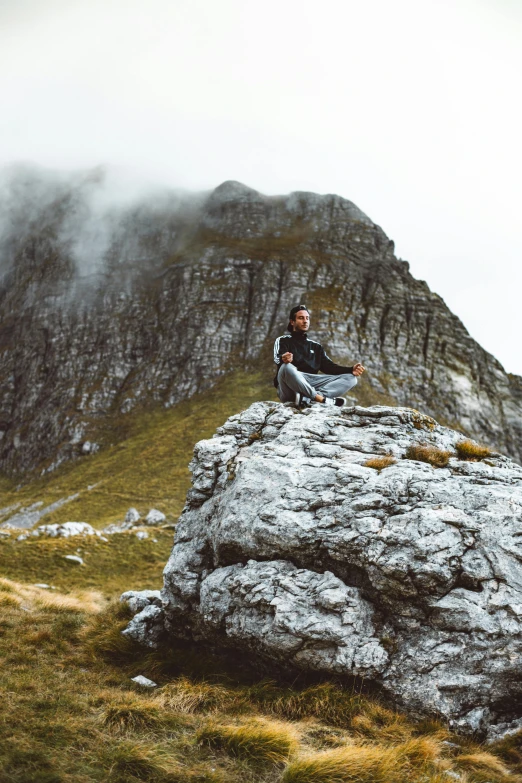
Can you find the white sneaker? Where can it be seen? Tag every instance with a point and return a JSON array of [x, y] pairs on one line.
[[336, 401]]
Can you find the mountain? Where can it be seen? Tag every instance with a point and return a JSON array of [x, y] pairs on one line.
[[109, 310]]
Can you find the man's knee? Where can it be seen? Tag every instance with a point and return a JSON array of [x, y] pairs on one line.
[[286, 370], [351, 381]]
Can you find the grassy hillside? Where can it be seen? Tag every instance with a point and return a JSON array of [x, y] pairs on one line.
[[70, 712], [147, 464]]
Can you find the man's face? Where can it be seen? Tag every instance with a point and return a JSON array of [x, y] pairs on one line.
[[301, 322]]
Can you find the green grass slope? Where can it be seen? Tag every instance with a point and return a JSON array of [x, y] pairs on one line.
[[147, 466]]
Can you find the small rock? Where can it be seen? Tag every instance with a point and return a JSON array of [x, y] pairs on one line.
[[132, 516], [74, 559], [89, 448], [142, 535], [144, 681], [155, 517], [42, 586], [138, 600], [68, 529], [22, 537], [147, 627]]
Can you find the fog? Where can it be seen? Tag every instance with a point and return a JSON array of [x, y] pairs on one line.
[[410, 109]]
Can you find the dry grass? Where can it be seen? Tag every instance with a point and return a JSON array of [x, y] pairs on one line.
[[468, 450], [327, 702], [256, 741], [379, 463], [430, 454], [71, 714], [380, 724], [483, 766], [131, 760], [189, 698], [131, 714], [366, 764], [30, 597], [113, 566]]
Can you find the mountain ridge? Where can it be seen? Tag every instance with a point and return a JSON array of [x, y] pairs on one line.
[[104, 312]]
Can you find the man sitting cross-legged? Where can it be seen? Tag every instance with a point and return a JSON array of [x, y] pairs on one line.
[[299, 360]]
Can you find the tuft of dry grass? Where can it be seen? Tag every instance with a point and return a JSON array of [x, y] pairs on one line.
[[31, 598], [380, 724], [363, 764], [468, 450], [127, 761], [103, 635], [256, 741], [187, 697], [130, 713], [509, 750], [379, 463], [483, 765], [327, 702], [430, 454]]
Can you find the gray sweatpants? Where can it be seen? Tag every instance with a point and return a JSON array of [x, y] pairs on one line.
[[290, 380]]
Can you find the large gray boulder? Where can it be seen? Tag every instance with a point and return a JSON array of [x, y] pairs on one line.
[[292, 549]]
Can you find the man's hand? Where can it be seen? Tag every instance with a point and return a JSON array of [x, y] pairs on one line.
[[358, 369], [287, 357]]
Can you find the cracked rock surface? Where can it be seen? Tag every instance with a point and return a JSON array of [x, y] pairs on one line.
[[292, 549]]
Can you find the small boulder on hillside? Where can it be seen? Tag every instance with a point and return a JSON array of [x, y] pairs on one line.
[[67, 529], [132, 517], [155, 517], [144, 681], [74, 559]]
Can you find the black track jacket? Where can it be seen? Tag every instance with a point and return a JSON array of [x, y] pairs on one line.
[[309, 356]]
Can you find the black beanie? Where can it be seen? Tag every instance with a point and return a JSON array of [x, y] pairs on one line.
[[293, 313]]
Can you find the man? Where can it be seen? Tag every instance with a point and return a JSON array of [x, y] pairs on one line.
[[299, 360]]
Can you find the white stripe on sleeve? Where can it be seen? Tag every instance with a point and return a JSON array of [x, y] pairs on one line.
[[277, 360]]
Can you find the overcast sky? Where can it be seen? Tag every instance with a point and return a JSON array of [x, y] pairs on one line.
[[409, 108]]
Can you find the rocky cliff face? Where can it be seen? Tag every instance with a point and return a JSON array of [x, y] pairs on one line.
[[292, 548], [103, 312]]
